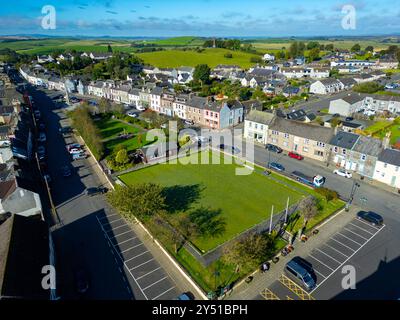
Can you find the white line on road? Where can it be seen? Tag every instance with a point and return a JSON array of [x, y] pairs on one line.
[[117, 235], [158, 281], [354, 225], [330, 257], [355, 234], [161, 294], [109, 222], [113, 229], [352, 255], [327, 245], [323, 276], [107, 216], [119, 243], [138, 245], [341, 234], [332, 238], [148, 273], [321, 262], [369, 225], [142, 264], [139, 255]]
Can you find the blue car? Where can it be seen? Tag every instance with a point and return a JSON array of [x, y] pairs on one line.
[[276, 166]]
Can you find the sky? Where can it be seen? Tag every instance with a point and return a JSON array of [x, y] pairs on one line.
[[219, 18]]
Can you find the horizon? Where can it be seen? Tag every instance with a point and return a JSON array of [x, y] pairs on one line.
[[155, 18]]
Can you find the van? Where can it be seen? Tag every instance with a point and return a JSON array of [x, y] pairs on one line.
[[300, 271]]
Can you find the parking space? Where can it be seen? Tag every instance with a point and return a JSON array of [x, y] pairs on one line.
[[147, 274], [326, 260]]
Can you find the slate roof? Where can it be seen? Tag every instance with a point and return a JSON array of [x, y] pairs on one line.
[[260, 117], [300, 129], [368, 145], [344, 140], [353, 98], [390, 156], [252, 104]]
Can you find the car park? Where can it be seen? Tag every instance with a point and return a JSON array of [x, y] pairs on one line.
[[371, 217], [299, 272], [343, 173], [295, 155], [95, 191], [42, 137], [276, 166], [75, 151], [273, 148], [66, 171], [79, 156]]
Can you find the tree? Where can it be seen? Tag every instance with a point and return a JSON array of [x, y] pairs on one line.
[[228, 55], [255, 60], [313, 54], [109, 49], [335, 122], [356, 48], [202, 73], [308, 209], [140, 200], [122, 157], [313, 45], [369, 49], [104, 106], [250, 251], [329, 47], [368, 87]]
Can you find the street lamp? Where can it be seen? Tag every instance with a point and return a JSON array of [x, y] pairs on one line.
[[352, 193]]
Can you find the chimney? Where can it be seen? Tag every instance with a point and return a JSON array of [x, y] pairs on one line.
[[386, 140]]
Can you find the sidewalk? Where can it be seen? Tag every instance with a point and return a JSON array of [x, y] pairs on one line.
[[262, 281]]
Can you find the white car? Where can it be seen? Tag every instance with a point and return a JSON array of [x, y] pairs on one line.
[[343, 173], [140, 108], [132, 114], [75, 151]]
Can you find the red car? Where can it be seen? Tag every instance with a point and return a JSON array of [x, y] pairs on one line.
[[295, 155]]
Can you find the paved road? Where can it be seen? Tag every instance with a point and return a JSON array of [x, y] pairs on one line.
[[91, 235]]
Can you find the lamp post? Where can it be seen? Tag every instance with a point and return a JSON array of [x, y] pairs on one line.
[[352, 193]]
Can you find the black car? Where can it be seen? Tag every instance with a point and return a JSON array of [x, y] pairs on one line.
[[66, 171], [95, 191], [81, 281], [371, 217], [349, 119], [273, 148], [276, 166]]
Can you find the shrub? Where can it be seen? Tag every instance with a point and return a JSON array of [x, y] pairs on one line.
[[328, 194], [228, 55]]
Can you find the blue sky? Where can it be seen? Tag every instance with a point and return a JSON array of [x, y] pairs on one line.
[[200, 17]]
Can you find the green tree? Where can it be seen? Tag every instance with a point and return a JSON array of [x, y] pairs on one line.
[[356, 48], [313, 45], [368, 87], [369, 49], [313, 54], [329, 47], [104, 106], [202, 73], [109, 49], [122, 157]]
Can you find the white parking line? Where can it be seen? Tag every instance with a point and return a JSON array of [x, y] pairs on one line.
[[327, 245], [322, 275], [113, 229], [328, 256], [117, 235], [332, 238], [339, 233], [355, 233], [133, 238], [140, 254], [158, 281], [149, 273], [138, 245], [321, 262], [369, 225], [142, 264], [352, 255], [354, 225], [161, 294], [107, 216], [109, 222]]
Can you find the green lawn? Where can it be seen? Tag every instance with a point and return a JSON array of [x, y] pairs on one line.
[[243, 201], [212, 57], [111, 128], [380, 128]]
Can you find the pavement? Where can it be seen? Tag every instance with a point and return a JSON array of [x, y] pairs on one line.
[[122, 262]]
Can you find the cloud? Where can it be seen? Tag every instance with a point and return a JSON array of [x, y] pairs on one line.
[[231, 14], [111, 12]]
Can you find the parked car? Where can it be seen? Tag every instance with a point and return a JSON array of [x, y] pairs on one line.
[[41, 152], [186, 296], [74, 146], [299, 271], [295, 155], [65, 130], [273, 148], [371, 217], [42, 137], [66, 171], [343, 173], [132, 114], [95, 191], [79, 156], [36, 114], [81, 281], [189, 122], [276, 166], [140, 108], [349, 119], [75, 151]]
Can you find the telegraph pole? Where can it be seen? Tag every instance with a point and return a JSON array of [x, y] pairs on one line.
[[270, 221]]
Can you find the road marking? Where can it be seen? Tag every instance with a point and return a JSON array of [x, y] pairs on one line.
[[328, 256], [355, 234], [137, 256], [148, 273], [320, 262], [113, 229], [138, 245], [117, 235], [339, 233], [161, 294], [370, 225], [158, 281], [119, 243], [352, 250], [109, 222], [352, 255], [322, 275], [354, 225], [327, 245], [142, 264]]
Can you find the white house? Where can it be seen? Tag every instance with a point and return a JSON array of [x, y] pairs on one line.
[[268, 57], [179, 106], [134, 97], [155, 99], [387, 168], [300, 72], [256, 126], [347, 105], [326, 86]]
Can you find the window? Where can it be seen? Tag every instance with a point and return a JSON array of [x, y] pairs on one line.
[[319, 153], [344, 151], [262, 127], [275, 133], [396, 169], [363, 157], [255, 126], [321, 144], [305, 149], [286, 144], [385, 165], [306, 141], [250, 124], [286, 135]]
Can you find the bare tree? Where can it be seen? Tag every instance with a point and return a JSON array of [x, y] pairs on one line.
[[308, 208]]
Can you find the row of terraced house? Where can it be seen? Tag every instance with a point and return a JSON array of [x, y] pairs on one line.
[[369, 157]]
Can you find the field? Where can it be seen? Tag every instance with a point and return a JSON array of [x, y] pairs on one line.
[[212, 57], [243, 201], [381, 128]]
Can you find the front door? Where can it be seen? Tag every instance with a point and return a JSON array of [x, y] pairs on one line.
[[393, 183]]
